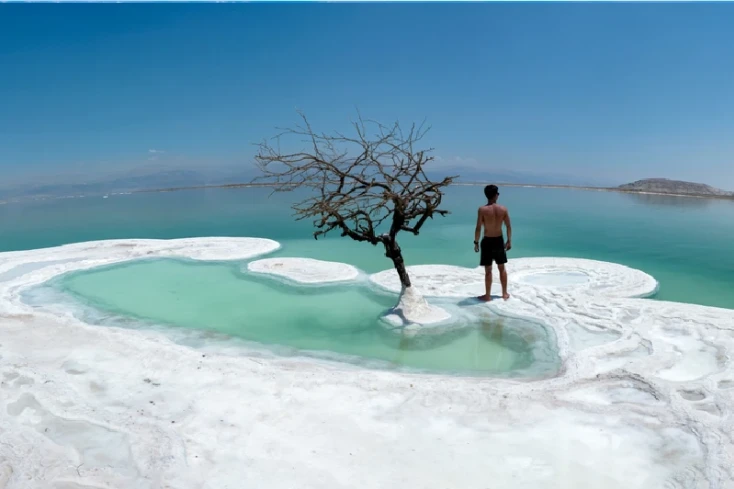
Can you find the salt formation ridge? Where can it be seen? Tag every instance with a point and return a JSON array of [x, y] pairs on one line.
[[305, 270], [643, 399]]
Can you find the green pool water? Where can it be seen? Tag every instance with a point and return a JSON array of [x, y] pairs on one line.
[[338, 320]]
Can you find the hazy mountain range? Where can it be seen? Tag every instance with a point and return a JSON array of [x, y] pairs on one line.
[[490, 175], [174, 178], [177, 178], [125, 183], [154, 179]]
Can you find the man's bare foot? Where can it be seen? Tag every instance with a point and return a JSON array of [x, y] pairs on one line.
[[485, 298], [505, 296]]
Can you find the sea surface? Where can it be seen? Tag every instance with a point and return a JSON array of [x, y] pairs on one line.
[[686, 243]]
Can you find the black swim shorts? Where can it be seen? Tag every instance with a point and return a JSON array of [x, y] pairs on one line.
[[492, 250]]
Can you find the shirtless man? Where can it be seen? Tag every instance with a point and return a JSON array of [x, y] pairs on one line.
[[493, 246]]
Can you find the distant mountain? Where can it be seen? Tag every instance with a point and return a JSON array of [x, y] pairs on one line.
[[119, 184], [665, 186], [498, 176], [145, 179], [129, 183]]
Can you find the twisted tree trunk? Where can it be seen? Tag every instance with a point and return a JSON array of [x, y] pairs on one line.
[[392, 249]]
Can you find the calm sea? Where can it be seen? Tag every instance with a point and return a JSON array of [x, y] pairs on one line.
[[686, 243]]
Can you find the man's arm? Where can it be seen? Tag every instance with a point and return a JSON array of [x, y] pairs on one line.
[[508, 225], [478, 229]]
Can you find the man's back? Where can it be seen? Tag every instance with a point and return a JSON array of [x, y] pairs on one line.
[[493, 246], [492, 217]]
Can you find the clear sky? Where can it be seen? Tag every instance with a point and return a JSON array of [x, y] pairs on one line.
[[617, 91]]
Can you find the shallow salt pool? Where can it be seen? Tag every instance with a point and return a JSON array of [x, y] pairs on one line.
[[337, 322]]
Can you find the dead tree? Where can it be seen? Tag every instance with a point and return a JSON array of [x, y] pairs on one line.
[[368, 187]]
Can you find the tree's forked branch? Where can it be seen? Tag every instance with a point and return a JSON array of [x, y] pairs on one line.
[[360, 181]]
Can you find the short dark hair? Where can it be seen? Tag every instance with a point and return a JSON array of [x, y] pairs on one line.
[[491, 191]]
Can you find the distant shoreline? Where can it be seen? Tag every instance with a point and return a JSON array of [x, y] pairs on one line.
[[458, 184], [466, 184]]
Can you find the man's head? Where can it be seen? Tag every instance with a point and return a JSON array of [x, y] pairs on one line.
[[491, 192]]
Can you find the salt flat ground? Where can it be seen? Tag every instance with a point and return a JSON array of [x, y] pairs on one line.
[[643, 398]]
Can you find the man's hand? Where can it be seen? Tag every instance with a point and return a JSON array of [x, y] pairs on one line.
[[476, 247], [508, 246]]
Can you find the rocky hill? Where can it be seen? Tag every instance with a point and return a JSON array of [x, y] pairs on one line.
[[665, 186]]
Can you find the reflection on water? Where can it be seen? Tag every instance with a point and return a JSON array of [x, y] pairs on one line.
[[492, 329], [523, 344], [669, 200]]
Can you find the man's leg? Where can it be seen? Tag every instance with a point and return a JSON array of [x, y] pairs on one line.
[[503, 280], [487, 284], [486, 262]]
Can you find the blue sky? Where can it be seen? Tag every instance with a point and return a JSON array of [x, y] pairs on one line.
[[612, 91]]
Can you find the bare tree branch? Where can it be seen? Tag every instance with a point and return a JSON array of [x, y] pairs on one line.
[[360, 183]]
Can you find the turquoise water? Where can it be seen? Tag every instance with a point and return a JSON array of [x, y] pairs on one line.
[[321, 321], [687, 244]]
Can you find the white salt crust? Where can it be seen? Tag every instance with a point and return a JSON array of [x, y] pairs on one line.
[[567, 275], [643, 399], [305, 270], [413, 308]]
